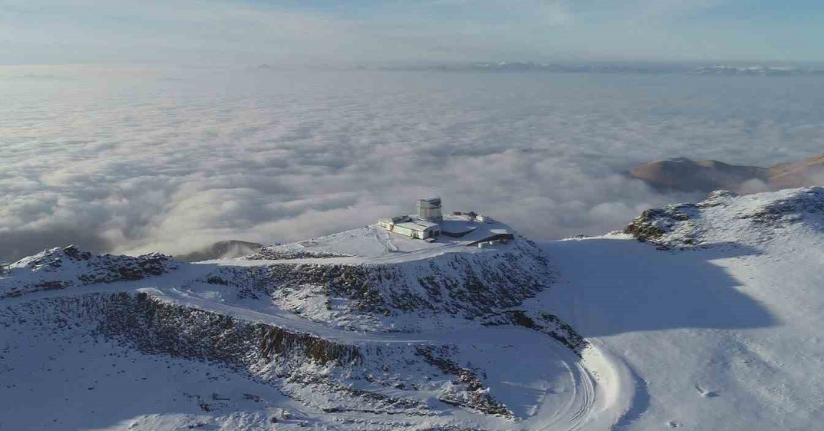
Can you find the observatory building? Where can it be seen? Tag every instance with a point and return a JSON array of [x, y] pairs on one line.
[[426, 224], [429, 209], [411, 227], [429, 223]]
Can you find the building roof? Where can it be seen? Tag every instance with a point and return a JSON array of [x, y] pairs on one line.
[[417, 224]]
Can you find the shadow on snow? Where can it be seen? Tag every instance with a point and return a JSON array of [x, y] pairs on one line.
[[625, 286]]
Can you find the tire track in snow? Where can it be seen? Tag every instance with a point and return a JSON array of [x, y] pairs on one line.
[[616, 399], [576, 408]]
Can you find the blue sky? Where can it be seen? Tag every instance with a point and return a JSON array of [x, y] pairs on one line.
[[362, 31]]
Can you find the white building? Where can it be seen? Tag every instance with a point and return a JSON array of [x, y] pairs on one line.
[[388, 223], [418, 229], [425, 225], [413, 228]]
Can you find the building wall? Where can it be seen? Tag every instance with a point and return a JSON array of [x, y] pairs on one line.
[[432, 231], [404, 231]]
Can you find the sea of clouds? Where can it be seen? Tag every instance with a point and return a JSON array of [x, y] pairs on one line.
[[141, 159]]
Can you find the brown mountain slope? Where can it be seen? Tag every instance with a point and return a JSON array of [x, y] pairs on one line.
[[704, 175], [688, 175], [809, 172]]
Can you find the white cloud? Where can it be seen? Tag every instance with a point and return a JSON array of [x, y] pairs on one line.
[[132, 160]]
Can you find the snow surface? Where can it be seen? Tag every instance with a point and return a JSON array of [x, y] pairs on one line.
[[726, 335], [373, 244], [721, 330]]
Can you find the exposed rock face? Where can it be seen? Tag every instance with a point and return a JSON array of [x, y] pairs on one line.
[[272, 253], [687, 175], [465, 285], [652, 224], [792, 209], [60, 268], [466, 389], [156, 327], [546, 323], [210, 312], [723, 216], [304, 367]]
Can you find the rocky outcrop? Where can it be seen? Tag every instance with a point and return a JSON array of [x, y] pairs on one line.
[[458, 284], [653, 224], [330, 370], [790, 209], [60, 268], [724, 217], [153, 326], [545, 323], [466, 389], [328, 375], [356, 282], [274, 253]]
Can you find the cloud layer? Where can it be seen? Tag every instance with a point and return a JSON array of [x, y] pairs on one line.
[[132, 160]]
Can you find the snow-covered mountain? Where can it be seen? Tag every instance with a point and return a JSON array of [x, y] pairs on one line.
[[700, 316]]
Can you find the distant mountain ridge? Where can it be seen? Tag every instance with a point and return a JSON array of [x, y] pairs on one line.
[[755, 71], [616, 68], [684, 174]]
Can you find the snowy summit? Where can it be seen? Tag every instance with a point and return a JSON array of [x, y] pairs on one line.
[[697, 316]]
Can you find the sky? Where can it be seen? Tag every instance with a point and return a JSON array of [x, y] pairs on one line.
[[331, 32], [133, 159]]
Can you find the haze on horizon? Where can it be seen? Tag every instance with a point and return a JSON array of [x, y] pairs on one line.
[[321, 32]]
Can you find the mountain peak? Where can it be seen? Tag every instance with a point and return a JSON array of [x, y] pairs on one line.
[[725, 217]]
